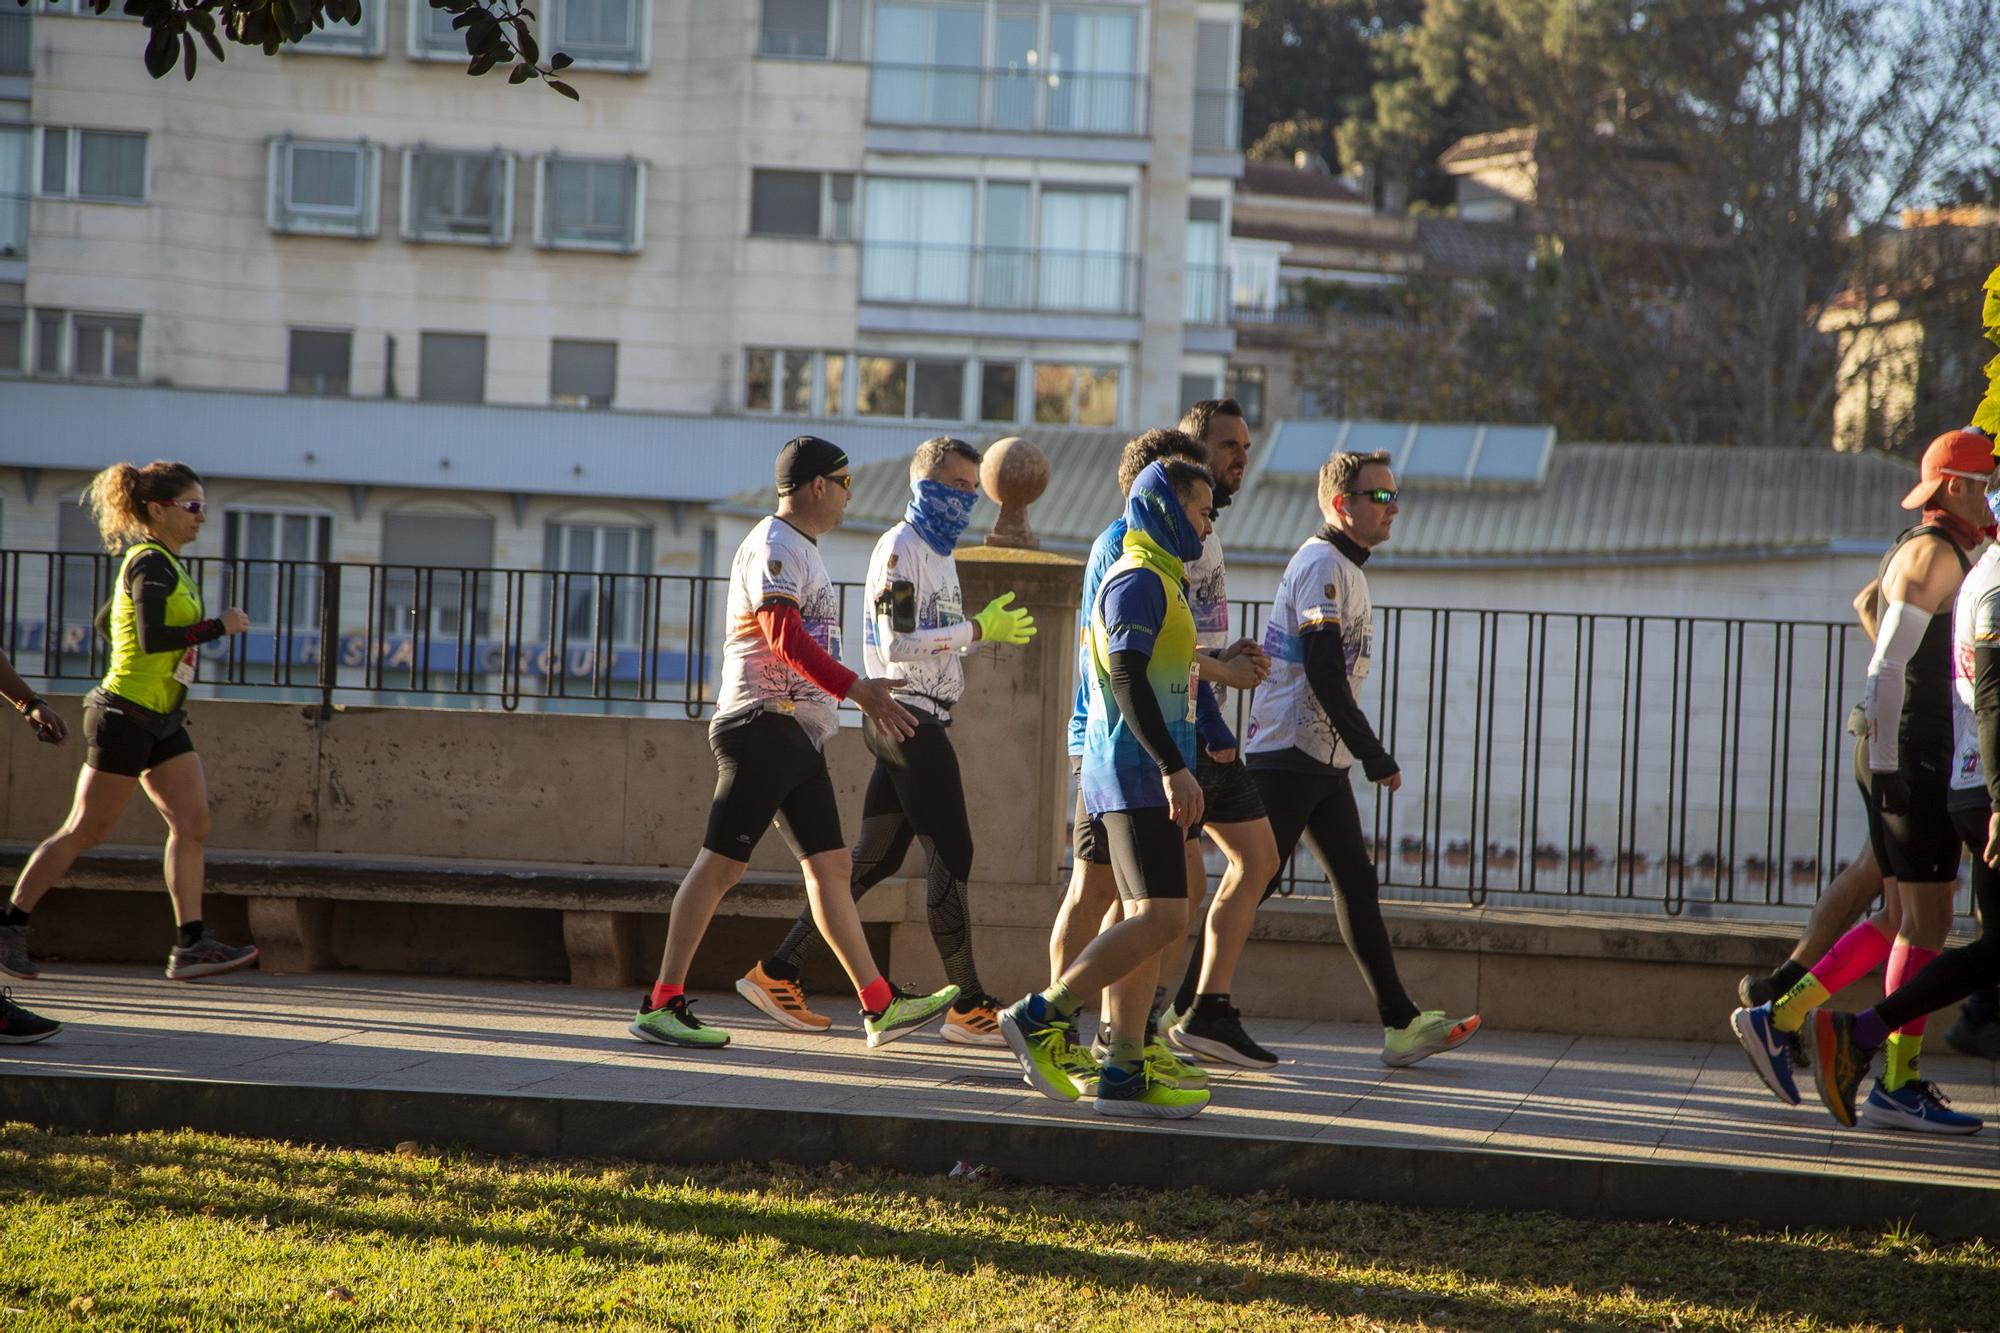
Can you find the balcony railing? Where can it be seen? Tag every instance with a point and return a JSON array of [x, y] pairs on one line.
[[1218, 120], [1024, 99], [17, 52], [1205, 294], [993, 278], [1298, 316]]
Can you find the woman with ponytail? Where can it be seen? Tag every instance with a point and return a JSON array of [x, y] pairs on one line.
[[134, 723]]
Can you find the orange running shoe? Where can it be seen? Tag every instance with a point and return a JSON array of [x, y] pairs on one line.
[[973, 1022], [782, 1000]]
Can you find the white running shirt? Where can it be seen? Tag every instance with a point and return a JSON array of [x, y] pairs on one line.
[[916, 638], [1975, 619], [777, 563], [1321, 588]]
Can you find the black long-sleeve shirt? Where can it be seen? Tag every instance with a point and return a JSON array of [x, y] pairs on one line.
[[1141, 710]]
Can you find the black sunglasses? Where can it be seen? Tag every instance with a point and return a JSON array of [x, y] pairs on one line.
[[1381, 495]]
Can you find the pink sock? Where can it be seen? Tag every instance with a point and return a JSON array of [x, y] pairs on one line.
[[1856, 954], [875, 996], [1905, 961], [662, 992]]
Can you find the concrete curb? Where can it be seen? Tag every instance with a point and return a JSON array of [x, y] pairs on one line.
[[1086, 1154]]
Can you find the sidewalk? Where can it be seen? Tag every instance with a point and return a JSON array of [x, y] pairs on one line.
[[1525, 1120]]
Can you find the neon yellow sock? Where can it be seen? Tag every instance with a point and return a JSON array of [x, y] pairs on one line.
[[1901, 1069], [1789, 1013]]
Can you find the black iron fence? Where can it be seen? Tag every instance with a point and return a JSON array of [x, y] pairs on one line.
[[1677, 764]]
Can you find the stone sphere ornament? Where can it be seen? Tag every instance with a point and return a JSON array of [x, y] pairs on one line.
[[1014, 474]]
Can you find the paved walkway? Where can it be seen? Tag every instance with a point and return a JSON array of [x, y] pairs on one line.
[[1509, 1094]]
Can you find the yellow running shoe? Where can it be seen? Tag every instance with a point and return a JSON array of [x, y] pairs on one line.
[[1163, 1066]]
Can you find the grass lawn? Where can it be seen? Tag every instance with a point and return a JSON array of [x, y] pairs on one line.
[[191, 1230]]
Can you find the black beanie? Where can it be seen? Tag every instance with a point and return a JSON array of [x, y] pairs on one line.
[[807, 457]]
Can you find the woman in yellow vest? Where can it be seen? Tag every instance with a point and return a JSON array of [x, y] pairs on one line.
[[133, 723]]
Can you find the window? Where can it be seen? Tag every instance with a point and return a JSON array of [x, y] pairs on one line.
[[1194, 388], [16, 50], [582, 374], [882, 386], [1076, 395], [324, 188], [927, 64], [72, 344], [13, 339], [17, 162], [319, 362], [599, 34], [1217, 121], [1099, 50], [443, 590], [596, 589], [999, 391], [1205, 290], [917, 243], [1246, 385], [922, 387], [454, 196], [939, 390], [339, 38], [811, 29], [584, 203], [273, 555], [793, 383], [83, 575], [431, 35], [451, 368], [97, 166], [811, 204], [1083, 261]]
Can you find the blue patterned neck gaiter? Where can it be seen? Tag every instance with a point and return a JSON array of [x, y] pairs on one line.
[[939, 513]]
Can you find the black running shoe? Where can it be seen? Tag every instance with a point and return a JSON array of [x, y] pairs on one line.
[[208, 957], [1756, 988], [1216, 1031], [1974, 1037], [18, 1027], [14, 960]]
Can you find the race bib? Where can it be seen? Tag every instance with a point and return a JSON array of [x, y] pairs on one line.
[[184, 670], [1194, 684]]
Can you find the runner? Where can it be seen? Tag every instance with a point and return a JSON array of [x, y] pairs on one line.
[[1846, 1044], [1136, 781], [18, 1027], [1307, 730], [1903, 761], [917, 635], [775, 711], [133, 722]]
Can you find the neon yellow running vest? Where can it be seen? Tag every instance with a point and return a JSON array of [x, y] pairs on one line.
[[147, 679]]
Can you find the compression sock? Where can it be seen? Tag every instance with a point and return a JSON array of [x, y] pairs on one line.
[[1900, 1067], [191, 933], [1856, 954], [14, 917], [876, 996], [1788, 974], [662, 993], [781, 969], [1054, 1003], [1869, 1030], [1905, 961]]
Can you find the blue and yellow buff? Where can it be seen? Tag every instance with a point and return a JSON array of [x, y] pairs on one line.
[[1142, 607], [939, 513]]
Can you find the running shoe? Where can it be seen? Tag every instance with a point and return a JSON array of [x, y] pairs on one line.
[[674, 1024], [1842, 1064], [14, 960], [1165, 1067], [1217, 1034], [973, 1022], [1043, 1048], [1167, 1020], [208, 957], [781, 999], [1977, 1037], [1428, 1034], [1917, 1106], [18, 1027], [1142, 1095], [1077, 1063], [905, 1014], [1756, 988], [1770, 1051]]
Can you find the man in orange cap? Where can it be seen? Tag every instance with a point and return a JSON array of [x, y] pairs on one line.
[[1903, 762]]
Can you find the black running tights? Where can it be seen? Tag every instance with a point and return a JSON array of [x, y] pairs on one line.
[[1956, 973]]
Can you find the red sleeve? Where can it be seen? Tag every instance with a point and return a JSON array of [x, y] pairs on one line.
[[798, 650]]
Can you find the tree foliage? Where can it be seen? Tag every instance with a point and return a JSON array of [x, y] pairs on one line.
[[497, 32]]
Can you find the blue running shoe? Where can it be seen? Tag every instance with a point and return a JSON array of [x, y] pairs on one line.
[[1917, 1106], [1770, 1050]]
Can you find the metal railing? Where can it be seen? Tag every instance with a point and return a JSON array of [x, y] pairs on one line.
[[1296, 315], [998, 278], [1024, 98], [1205, 294], [1218, 120], [1625, 763]]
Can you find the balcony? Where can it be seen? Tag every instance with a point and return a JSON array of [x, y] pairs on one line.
[[1205, 295], [1015, 100], [989, 278], [1218, 120]]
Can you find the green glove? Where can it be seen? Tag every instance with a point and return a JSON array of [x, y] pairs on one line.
[[1000, 623]]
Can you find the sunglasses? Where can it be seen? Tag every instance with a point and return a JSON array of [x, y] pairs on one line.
[[195, 507], [846, 480], [1990, 479], [1381, 495]]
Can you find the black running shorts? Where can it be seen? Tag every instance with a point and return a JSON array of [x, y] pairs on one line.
[[115, 743], [768, 768], [1919, 846], [1148, 853], [1087, 840], [1228, 795]]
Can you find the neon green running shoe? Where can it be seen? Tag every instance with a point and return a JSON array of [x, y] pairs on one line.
[[1043, 1048], [1427, 1034], [672, 1024], [1163, 1066], [906, 1013], [1141, 1094]]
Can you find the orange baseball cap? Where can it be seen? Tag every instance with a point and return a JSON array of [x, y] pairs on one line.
[[1956, 453]]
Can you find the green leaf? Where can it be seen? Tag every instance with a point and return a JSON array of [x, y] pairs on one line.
[[564, 89], [560, 61], [162, 50], [522, 73], [187, 55], [484, 62], [524, 42]]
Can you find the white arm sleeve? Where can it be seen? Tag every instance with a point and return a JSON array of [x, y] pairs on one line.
[[918, 645], [1896, 640]]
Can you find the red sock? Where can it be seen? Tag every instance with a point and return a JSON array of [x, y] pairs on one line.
[[875, 996], [662, 992]]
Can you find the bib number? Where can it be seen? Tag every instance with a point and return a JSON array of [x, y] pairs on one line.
[[184, 669], [1194, 684]]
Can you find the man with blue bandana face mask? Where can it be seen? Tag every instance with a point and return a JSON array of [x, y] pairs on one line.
[[916, 636]]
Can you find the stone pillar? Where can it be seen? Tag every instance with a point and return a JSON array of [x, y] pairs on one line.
[[292, 934], [603, 948]]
